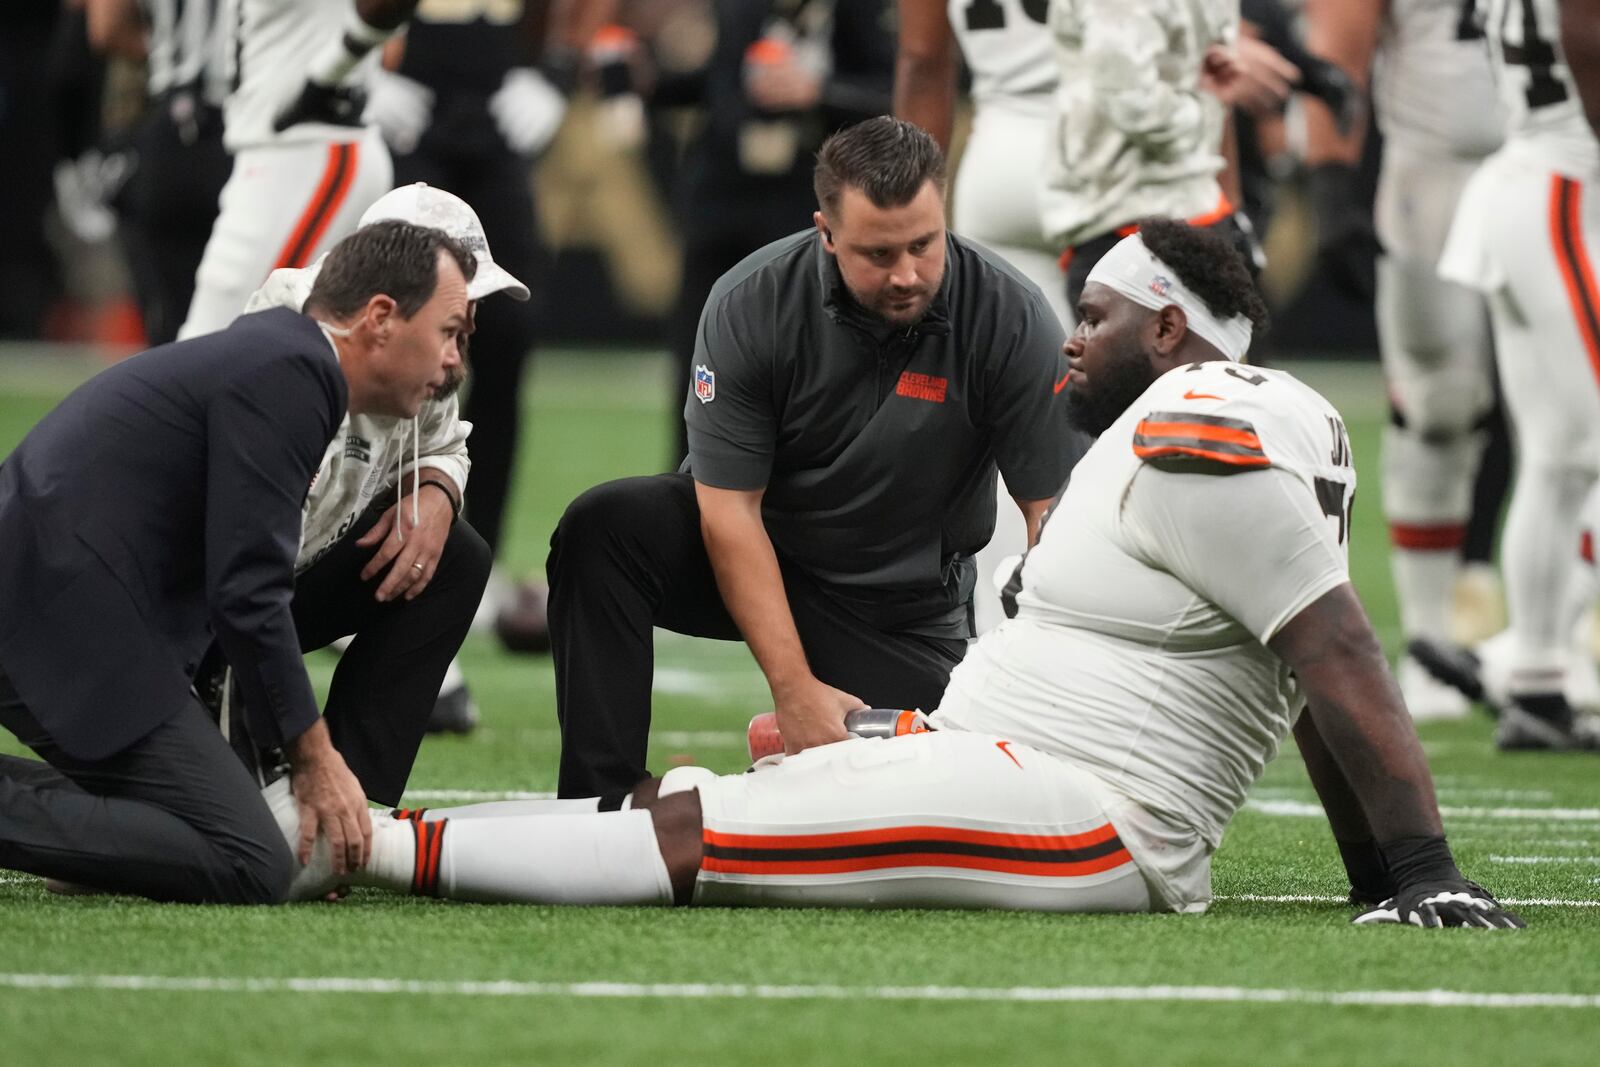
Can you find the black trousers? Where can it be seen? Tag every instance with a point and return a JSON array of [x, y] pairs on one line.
[[497, 185], [388, 679], [627, 556], [173, 817]]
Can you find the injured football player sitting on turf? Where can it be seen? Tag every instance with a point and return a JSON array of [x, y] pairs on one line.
[[1189, 607]]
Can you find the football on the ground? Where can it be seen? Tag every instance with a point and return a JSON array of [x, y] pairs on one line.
[[523, 625]]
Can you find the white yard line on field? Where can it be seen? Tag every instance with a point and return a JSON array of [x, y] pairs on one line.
[[1527, 860], [1308, 809], [1422, 998]]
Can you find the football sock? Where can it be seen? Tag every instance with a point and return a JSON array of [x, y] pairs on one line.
[[1427, 494], [1539, 561], [605, 858]]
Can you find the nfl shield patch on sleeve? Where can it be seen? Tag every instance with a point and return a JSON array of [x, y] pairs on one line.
[[705, 383]]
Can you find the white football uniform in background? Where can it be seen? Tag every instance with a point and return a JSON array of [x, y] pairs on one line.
[[995, 199], [294, 194], [1525, 234], [1134, 135], [1129, 705], [1435, 103]]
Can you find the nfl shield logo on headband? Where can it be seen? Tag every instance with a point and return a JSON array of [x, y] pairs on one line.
[[705, 383], [1161, 285]]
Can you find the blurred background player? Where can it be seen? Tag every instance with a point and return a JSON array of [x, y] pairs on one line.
[[167, 207], [305, 167], [995, 197], [1523, 234], [1135, 135], [463, 106], [1435, 104]]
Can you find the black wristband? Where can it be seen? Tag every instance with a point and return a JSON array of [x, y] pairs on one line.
[[1413, 860], [455, 503]]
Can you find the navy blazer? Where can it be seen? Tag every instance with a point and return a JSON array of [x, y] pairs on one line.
[[158, 505]]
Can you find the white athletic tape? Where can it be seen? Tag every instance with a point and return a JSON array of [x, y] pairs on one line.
[[1423, 998]]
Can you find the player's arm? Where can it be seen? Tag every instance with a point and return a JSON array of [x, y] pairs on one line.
[[1033, 515], [746, 567], [368, 24], [1357, 712], [925, 69], [1363, 863], [116, 28], [1344, 32], [1580, 43]]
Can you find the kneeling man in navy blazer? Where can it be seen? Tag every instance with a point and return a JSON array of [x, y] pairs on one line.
[[159, 508]]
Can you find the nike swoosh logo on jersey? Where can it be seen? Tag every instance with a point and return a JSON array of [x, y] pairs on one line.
[[1192, 395], [1062, 384], [1005, 746]]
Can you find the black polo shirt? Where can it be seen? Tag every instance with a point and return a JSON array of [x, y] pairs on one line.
[[877, 447]]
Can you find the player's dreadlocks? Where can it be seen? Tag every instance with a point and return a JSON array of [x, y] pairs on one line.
[[1211, 267]]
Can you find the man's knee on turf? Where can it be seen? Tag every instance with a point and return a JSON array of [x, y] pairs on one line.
[[257, 873], [467, 554]]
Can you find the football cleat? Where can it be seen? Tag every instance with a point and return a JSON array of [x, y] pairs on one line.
[[1545, 722], [1454, 665], [455, 712], [1427, 698]]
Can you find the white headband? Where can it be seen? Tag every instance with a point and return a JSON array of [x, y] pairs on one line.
[[1133, 271]]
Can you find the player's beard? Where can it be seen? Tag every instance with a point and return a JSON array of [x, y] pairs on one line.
[[1101, 400]]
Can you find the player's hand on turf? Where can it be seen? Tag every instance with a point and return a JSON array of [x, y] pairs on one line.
[[811, 713], [401, 108], [528, 110], [410, 552], [1441, 903], [332, 105], [330, 800]]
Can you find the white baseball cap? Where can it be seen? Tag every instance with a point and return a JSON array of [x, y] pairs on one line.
[[424, 205]]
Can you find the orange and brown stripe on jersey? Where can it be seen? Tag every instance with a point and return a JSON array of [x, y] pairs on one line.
[[1052, 856], [1185, 442]]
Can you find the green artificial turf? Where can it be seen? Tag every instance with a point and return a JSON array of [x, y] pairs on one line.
[[803, 987]]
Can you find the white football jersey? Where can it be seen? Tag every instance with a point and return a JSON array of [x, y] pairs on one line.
[[1209, 515], [1544, 116], [1134, 135], [1431, 82], [274, 42], [1006, 45]]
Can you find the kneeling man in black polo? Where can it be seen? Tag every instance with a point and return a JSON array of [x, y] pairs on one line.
[[855, 387]]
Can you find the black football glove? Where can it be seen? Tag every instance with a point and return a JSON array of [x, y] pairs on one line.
[[334, 105], [1347, 246], [1432, 893]]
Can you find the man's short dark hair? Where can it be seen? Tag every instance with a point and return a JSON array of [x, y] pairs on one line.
[[1212, 267], [397, 259], [886, 158]]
